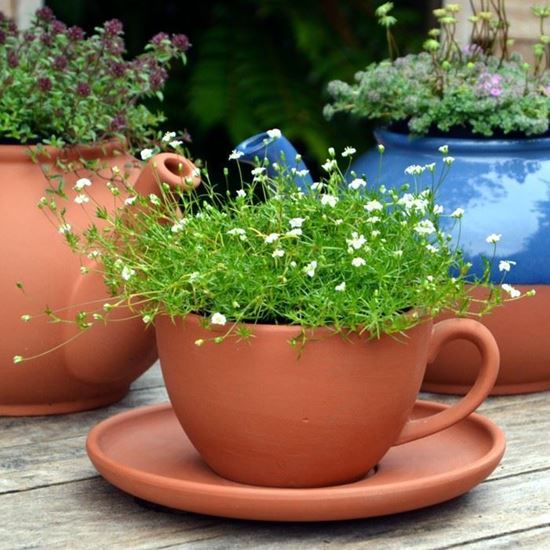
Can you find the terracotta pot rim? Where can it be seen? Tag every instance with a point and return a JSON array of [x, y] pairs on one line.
[[21, 153], [266, 328]]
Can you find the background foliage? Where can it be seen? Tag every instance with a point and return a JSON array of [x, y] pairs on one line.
[[255, 64]]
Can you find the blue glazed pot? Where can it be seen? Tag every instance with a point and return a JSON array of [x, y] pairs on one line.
[[502, 185]]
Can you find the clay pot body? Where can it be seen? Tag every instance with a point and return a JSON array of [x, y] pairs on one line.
[[521, 330], [96, 368], [260, 413]]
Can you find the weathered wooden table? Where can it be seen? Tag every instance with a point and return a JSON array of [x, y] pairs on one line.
[[51, 496]]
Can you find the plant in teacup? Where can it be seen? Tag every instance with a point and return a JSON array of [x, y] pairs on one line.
[[72, 116], [293, 328]]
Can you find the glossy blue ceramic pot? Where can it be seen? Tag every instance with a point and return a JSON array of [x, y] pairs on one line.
[[502, 185]]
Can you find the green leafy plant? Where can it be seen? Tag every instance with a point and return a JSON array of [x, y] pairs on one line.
[[482, 88], [349, 256], [60, 87]]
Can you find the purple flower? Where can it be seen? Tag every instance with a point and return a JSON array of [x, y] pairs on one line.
[[159, 38], [46, 39], [118, 123], [181, 42], [490, 84], [60, 62], [28, 36], [2, 37], [13, 60], [44, 84], [58, 27], [158, 78], [117, 69], [45, 14], [75, 33], [113, 27], [83, 89]]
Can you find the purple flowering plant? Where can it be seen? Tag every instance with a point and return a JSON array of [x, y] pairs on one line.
[[481, 88], [61, 87]]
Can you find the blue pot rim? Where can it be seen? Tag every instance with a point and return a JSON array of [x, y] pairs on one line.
[[480, 145]]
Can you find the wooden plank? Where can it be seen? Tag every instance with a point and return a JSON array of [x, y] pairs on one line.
[[97, 515], [56, 451], [35, 429]]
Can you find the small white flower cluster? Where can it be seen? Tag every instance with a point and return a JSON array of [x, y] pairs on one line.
[[357, 183], [169, 137]]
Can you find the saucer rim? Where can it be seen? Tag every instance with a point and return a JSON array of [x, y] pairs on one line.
[[483, 466]]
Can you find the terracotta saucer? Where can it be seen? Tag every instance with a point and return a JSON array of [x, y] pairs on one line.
[[146, 453]]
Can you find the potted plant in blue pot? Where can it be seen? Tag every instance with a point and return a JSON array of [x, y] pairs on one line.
[[487, 111]]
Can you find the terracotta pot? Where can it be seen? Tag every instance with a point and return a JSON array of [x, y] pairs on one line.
[[260, 414], [97, 367], [521, 331]]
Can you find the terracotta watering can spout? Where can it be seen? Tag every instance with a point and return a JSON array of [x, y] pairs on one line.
[[120, 340], [175, 170], [274, 147]]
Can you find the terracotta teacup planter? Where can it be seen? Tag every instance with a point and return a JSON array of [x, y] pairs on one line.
[[260, 414], [97, 367]]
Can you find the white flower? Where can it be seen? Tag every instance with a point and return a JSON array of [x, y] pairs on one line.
[[356, 241], [348, 151], [329, 165], [341, 287], [296, 232], [505, 265], [302, 173], [331, 200], [375, 233], [179, 225], [317, 185], [430, 167], [298, 157], [168, 136], [296, 222], [438, 209], [274, 133], [218, 319], [373, 205], [458, 213], [276, 166], [127, 273], [258, 171], [146, 154], [414, 170], [194, 276], [241, 193], [154, 199], [430, 278], [514, 292], [81, 199], [443, 149], [358, 262], [65, 228], [424, 227], [357, 183], [293, 263], [431, 248], [235, 155], [381, 148], [310, 268], [130, 200], [331, 151], [271, 238], [493, 238], [278, 253], [175, 143], [339, 221], [373, 219], [238, 231], [448, 160], [398, 253], [415, 203], [147, 318], [81, 183]]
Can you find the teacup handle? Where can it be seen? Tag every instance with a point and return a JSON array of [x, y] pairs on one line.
[[443, 332]]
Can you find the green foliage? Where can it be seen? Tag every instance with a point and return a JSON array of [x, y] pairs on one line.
[[352, 257], [58, 86], [481, 88]]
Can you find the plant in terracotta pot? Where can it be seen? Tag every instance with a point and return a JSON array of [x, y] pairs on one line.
[[72, 112], [294, 328], [491, 108]]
